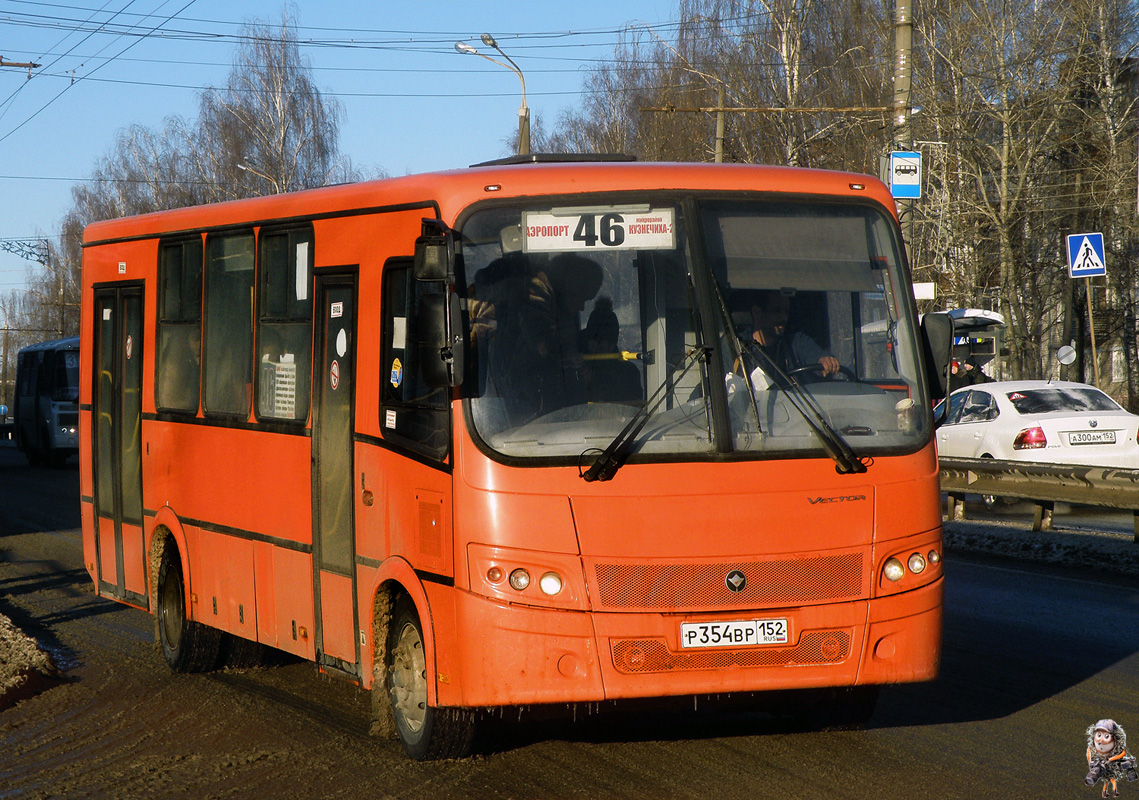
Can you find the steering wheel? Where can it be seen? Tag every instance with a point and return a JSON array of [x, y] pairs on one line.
[[844, 373]]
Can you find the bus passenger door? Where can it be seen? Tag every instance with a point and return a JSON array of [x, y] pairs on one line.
[[334, 553], [120, 552]]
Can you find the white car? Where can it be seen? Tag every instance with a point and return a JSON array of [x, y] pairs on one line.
[[1048, 422]]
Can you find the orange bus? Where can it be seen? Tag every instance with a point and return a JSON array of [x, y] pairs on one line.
[[509, 435]]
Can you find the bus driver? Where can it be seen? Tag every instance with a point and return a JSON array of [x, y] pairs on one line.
[[789, 350]]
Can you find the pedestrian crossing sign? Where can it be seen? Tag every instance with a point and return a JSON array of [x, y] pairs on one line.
[[1085, 255]]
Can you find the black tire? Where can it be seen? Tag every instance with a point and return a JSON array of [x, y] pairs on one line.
[[850, 709], [994, 501], [56, 458], [187, 645], [836, 709], [240, 653], [30, 451], [426, 732]]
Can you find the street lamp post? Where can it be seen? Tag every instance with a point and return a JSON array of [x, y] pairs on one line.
[[246, 168], [523, 110]]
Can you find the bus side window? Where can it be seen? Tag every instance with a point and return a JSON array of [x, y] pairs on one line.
[[29, 371], [177, 386], [284, 325], [411, 413], [228, 340]]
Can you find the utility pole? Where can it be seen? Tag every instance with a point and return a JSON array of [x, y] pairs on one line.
[[903, 132], [28, 65], [720, 126], [39, 251]]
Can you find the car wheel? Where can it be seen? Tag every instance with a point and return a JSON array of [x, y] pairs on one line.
[[426, 732], [995, 501]]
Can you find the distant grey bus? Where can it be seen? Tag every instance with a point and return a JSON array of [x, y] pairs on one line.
[[46, 408]]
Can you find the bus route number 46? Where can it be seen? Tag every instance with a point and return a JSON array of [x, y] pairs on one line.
[[593, 229]]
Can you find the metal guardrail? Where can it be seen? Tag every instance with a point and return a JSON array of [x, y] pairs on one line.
[[1043, 484]]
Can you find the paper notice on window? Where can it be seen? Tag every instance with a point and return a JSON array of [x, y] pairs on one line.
[[302, 270], [285, 390], [399, 333]]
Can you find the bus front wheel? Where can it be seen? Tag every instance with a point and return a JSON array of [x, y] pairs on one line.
[[426, 732], [187, 645]]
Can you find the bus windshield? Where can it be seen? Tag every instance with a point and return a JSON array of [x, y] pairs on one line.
[[583, 316], [65, 385]]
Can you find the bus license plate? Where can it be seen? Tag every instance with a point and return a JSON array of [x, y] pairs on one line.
[[1091, 437], [738, 633]]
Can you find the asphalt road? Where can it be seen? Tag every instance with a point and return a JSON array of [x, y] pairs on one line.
[[1032, 656]]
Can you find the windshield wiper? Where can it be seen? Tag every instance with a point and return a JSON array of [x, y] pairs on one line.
[[845, 459], [613, 456]]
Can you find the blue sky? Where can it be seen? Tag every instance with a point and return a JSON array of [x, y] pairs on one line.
[[411, 102]]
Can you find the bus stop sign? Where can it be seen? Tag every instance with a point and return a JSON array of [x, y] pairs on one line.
[[1085, 255], [905, 174]]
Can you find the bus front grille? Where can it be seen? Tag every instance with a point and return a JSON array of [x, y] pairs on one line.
[[782, 582], [634, 656]]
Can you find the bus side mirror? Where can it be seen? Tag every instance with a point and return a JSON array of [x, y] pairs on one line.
[[440, 335], [435, 253], [937, 345]]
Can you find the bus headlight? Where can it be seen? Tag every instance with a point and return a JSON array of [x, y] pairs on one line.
[[519, 579], [550, 583], [916, 563], [893, 570], [526, 577]]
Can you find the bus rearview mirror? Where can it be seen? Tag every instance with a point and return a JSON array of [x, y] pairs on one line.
[[434, 253], [441, 343], [937, 345]]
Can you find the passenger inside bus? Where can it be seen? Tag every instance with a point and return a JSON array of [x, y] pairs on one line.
[[549, 357], [609, 378]]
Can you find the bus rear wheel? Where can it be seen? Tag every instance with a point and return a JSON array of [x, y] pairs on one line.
[[187, 645], [426, 732]]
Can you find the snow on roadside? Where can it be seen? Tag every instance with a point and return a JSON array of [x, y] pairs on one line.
[[24, 667], [1114, 553]]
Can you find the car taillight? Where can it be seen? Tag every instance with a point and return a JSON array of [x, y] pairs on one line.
[[1029, 439]]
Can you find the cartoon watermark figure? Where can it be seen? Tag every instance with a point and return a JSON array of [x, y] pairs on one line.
[[1107, 757]]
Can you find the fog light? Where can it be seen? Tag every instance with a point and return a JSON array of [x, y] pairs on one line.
[[916, 563], [893, 570], [495, 574], [934, 556], [550, 583], [520, 579]]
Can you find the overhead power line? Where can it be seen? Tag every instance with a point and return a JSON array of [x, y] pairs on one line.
[[93, 70]]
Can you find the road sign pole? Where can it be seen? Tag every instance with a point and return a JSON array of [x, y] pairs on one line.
[[1087, 259], [1091, 327]]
